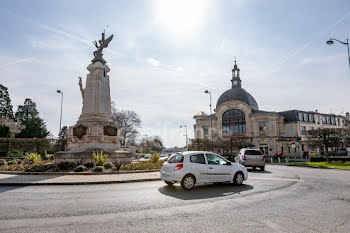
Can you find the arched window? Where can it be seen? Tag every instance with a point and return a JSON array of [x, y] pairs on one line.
[[233, 122]]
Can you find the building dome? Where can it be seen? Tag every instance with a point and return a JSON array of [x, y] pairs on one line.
[[239, 94]]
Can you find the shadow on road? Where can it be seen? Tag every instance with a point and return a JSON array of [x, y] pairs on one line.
[[9, 188], [257, 171], [204, 191], [20, 181]]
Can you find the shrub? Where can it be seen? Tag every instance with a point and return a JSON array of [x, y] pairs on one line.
[[117, 166], [98, 169], [100, 158], [66, 165], [4, 167], [154, 158], [41, 167], [16, 167], [72, 164], [43, 155], [34, 157], [2, 162], [12, 162], [89, 164], [15, 154], [147, 165], [80, 168], [108, 164], [63, 165]]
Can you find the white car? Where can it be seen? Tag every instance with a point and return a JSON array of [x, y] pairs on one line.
[[163, 157], [146, 157], [201, 167], [251, 158]]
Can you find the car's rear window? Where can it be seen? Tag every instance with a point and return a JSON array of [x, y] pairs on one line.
[[176, 158], [252, 152]]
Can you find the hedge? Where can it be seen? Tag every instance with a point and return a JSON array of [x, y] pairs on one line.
[[335, 159], [24, 145]]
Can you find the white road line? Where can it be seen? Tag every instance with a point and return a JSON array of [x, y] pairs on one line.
[[274, 178]]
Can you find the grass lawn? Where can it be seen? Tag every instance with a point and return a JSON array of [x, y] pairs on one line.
[[345, 166]]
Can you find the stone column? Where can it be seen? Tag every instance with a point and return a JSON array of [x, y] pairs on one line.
[[97, 100]]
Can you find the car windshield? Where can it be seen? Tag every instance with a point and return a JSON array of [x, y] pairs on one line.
[[252, 152], [176, 158]]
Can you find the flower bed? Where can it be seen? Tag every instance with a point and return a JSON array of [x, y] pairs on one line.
[[34, 163]]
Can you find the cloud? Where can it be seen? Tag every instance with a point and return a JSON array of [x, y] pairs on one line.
[[64, 33], [53, 42], [321, 59], [8, 61], [153, 62]]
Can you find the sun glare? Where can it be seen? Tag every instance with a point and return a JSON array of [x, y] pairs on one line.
[[180, 18]]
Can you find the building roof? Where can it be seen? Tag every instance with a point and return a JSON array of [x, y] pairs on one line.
[[237, 93], [264, 112]]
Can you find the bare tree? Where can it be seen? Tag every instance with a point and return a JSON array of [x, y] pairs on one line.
[[323, 138], [129, 122], [151, 144]]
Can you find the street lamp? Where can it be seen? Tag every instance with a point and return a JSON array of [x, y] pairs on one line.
[[331, 41], [59, 139], [211, 121], [185, 126]]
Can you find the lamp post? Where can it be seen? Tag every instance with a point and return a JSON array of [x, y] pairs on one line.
[[185, 126], [211, 122], [331, 41], [59, 139]]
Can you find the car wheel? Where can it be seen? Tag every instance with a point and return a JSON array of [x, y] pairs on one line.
[[188, 182], [262, 168], [238, 178], [169, 183]]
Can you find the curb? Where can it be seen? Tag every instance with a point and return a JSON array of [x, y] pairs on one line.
[[324, 168], [75, 173], [81, 183]]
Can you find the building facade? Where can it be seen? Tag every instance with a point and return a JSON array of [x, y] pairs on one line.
[[237, 114]]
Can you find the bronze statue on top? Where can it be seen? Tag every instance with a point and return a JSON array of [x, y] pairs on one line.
[[103, 43]]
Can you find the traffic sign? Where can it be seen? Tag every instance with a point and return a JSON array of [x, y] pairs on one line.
[[292, 141]]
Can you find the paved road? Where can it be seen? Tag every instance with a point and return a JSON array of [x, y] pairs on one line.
[[281, 199]]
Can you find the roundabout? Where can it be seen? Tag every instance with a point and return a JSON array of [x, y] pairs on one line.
[[280, 199]]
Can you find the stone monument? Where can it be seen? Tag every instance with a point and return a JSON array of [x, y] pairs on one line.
[[95, 130]]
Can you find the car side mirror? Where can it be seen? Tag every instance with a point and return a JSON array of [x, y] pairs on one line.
[[228, 163]]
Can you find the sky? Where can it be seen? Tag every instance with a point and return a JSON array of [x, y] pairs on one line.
[[165, 54]]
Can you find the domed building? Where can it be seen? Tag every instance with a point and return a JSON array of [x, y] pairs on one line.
[[237, 115]]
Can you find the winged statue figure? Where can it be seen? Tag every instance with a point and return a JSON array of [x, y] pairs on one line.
[[103, 43]]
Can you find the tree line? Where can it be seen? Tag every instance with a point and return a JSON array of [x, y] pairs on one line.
[[326, 139], [24, 123]]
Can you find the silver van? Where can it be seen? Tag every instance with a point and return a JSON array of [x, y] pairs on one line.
[[251, 158]]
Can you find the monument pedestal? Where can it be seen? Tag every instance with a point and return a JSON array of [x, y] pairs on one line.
[[95, 130]]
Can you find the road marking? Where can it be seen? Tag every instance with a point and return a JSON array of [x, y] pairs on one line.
[[274, 178]]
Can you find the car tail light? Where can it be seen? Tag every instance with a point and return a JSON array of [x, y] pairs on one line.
[[178, 167], [244, 158]]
